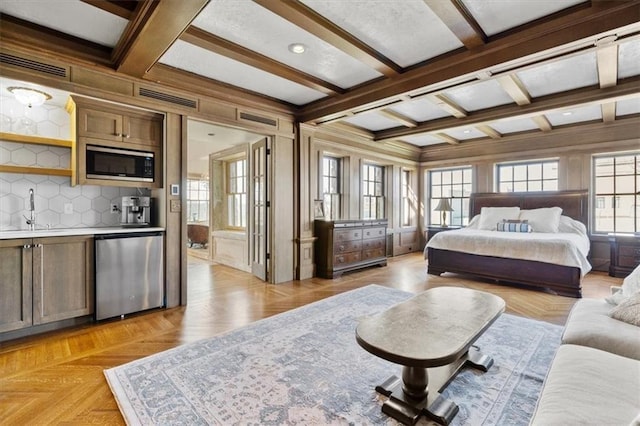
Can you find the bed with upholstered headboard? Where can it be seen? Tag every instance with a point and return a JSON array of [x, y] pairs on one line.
[[557, 278]]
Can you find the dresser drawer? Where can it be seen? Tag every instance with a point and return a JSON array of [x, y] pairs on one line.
[[373, 253], [373, 244], [343, 235], [374, 232], [346, 259], [628, 261], [629, 251], [347, 246]]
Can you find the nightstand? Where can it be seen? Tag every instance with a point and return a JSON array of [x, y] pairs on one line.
[[433, 230], [625, 254]]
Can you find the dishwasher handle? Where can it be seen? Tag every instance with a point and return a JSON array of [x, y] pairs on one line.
[[128, 235]]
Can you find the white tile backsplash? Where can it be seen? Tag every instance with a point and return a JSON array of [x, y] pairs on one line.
[[91, 204]]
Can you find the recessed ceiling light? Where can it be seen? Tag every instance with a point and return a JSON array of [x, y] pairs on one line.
[[566, 113], [211, 134], [297, 48], [466, 132]]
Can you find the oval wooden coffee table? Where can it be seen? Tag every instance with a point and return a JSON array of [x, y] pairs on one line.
[[431, 336]]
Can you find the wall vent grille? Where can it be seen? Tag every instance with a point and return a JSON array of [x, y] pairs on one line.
[[165, 97], [258, 119], [41, 67]]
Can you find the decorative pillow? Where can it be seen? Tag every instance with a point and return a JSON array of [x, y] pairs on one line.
[[490, 216], [546, 219], [630, 286], [571, 226], [514, 226], [628, 310]]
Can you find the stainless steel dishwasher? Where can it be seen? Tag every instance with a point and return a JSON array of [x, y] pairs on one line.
[[129, 273]]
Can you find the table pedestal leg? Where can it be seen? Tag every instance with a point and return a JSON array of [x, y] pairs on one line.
[[410, 397]]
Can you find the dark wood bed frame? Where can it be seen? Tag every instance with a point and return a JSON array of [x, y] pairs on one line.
[[562, 280]]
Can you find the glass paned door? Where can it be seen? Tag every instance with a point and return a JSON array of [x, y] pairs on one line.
[[260, 210]]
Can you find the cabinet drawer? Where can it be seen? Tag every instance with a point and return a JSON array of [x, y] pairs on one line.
[[373, 244], [346, 259], [373, 253], [629, 261], [347, 235], [347, 246], [374, 232], [629, 251]]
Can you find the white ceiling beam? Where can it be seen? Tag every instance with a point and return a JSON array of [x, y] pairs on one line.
[[448, 105], [608, 66], [447, 138], [402, 119], [608, 112], [542, 123], [513, 86], [489, 131]]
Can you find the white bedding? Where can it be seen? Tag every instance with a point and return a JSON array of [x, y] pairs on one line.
[[562, 248]]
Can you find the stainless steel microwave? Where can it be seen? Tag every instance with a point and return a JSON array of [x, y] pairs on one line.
[[119, 164]]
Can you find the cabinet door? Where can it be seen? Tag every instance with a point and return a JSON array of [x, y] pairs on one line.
[[63, 284], [142, 129], [99, 124], [15, 284]]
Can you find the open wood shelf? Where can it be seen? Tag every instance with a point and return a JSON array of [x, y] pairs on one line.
[[34, 170], [36, 140]]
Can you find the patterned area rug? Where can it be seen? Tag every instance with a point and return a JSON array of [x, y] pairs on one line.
[[305, 367]]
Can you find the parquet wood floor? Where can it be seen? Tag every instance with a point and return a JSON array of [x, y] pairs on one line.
[[57, 378]]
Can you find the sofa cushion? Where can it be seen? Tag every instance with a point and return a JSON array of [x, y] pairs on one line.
[[587, 386], [589, 324]]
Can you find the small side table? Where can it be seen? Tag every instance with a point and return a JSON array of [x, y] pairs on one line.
[[625, 254], [433, 230]]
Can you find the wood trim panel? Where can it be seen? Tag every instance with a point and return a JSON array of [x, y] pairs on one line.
[[35, 140], [31, 170]]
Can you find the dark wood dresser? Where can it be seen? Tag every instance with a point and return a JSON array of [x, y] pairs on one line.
[[625, 254], [345, 245]]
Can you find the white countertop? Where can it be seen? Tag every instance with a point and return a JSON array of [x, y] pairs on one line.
[[65, 232]]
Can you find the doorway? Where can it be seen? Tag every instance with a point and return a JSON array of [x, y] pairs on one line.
[[226, 200]]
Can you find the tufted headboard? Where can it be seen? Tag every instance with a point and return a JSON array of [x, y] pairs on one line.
[[573, 203]]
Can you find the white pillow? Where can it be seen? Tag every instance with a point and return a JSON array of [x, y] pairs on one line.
[[546, 219], [630, 286], [571, 226], [490, 216]]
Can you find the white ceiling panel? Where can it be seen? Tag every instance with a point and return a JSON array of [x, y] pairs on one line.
[[464, 133], [423, 140], [194, 59], [495, 16], [420, 110], [481, 95], [372, 121], [577, 115], [628, 107], [71, 17], [252, 26], [514, 125], [566, 74], [629, 59], [404, 31]]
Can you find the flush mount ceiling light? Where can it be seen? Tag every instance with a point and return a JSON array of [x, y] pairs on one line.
[[297, 48], [29, 97]]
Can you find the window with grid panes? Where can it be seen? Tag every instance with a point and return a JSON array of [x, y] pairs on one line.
[[528, 176], [197, 200], [237, 194], [408, 204], [616, 193], [373, 192], [455, 184], [331, 186]]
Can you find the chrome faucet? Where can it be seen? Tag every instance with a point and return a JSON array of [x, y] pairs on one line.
[[31, 220]]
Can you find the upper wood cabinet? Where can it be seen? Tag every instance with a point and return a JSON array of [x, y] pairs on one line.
[[101, 120]]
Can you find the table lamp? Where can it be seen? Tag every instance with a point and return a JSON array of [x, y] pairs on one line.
[[444, 207]]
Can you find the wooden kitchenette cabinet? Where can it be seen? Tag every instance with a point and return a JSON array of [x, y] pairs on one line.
[[43, 280]]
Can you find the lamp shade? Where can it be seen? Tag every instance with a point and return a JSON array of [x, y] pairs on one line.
[[443, 205]]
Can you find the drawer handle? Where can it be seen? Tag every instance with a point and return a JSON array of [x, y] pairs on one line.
[[340, 259], [26, 246], [341, 248]]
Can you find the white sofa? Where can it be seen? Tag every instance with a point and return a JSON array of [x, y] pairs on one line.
[[595, 376]]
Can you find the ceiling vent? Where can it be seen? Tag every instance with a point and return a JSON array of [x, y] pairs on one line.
[[41, 67], [165, 97], [258, 119]]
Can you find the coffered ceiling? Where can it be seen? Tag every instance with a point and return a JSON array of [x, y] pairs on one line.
[[424, 72]]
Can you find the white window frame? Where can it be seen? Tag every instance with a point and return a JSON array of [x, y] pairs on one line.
[[457, 193]]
